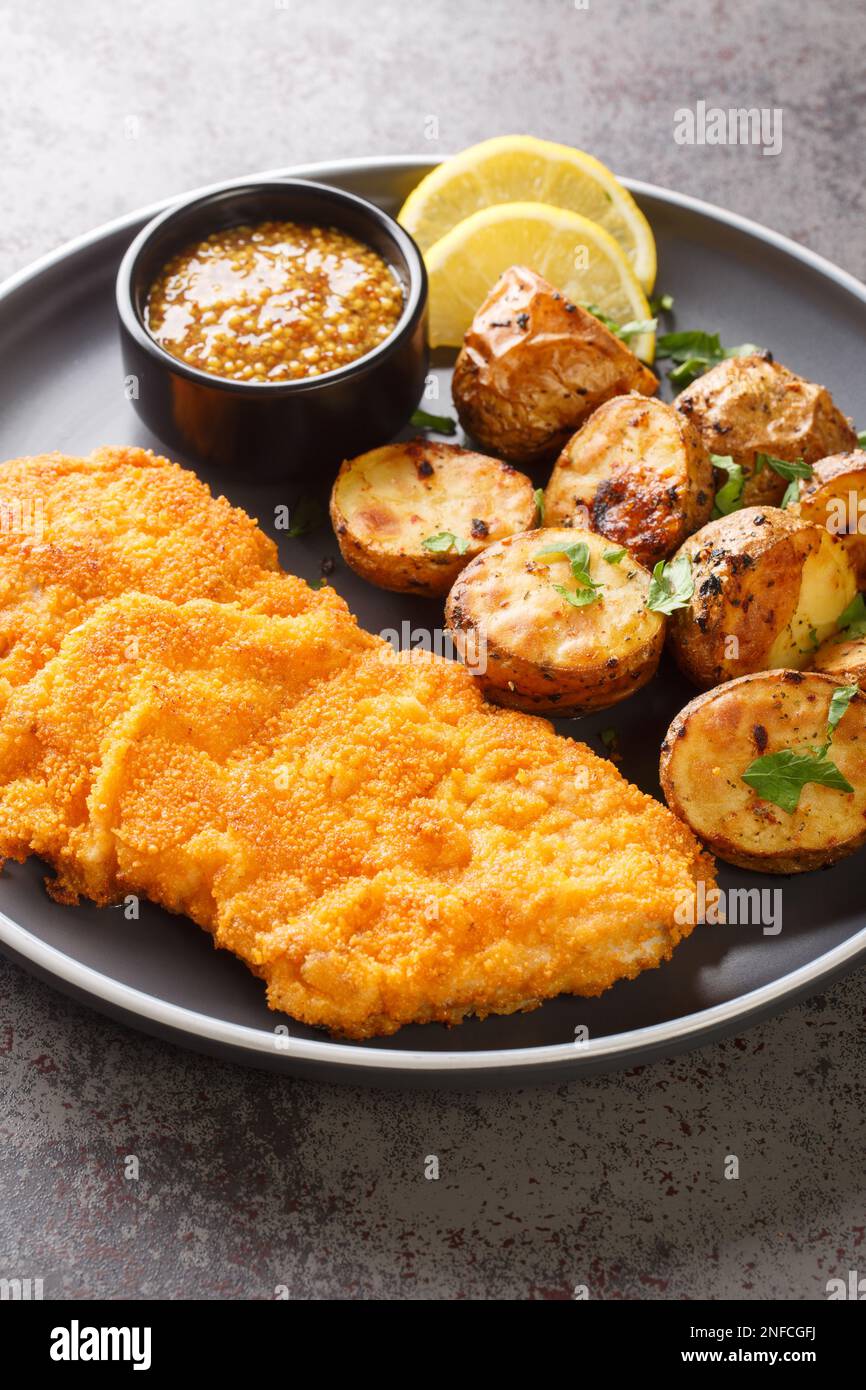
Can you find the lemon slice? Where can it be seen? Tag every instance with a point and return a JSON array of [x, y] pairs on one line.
[[518, 168], [577, 256]]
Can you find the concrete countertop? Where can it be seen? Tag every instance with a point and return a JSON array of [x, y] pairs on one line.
[[249, 1181]]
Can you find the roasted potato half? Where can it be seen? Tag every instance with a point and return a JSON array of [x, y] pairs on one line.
[[637, 472], [717, 738], [842, 657], [513, 622], [533, 366], [386, 504], [768, 589], [835, 497], [748, 406]]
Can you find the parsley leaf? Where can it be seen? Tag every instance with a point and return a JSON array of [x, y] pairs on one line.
[[791, 494], [861, 439], [423, 420], [613, 557], [623, 331], [729, 497], [671, 586], [780, 777], [693, 352], [627, 331], [306, 516], [577, 556], [791, 471], [852, 620], [446, 540], [580, 598], [842, 698], [662, 304], [538, 494]]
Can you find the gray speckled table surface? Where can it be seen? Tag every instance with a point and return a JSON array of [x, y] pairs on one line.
[[249, 1181]]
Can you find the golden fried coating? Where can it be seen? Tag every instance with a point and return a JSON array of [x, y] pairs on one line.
[[374, 841], [76, 531]]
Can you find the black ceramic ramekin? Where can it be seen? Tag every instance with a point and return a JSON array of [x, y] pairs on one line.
[[274, 429]]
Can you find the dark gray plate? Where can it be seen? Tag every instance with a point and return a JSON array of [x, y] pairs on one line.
[[61, 387]]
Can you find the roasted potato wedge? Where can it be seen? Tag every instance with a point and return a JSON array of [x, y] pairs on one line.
[[530, 647], [717, 737], [842, 657], [768, 589], [387, 503], [533, 366], [748, 406], [835, 497], [636, 472]]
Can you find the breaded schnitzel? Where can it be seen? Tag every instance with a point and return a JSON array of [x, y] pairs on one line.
[[379, 845], [75, 531]]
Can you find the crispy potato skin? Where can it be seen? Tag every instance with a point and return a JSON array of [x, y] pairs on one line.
[[385, 503], [541, 653], [765, 579], [751, 405], [637, 472], [713, 740], [835, 498], [843, 658], [533, 367]]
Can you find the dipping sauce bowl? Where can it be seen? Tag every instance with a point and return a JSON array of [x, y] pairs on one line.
[[274, 418]]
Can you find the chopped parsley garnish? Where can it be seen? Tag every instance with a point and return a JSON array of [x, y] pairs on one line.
[[627, 331], [538, 494], [671, 586], [579, 598], [624, 331], [610, 743], [423, 420], [780, 777], [791, 494], [446, 540], [577, 556], [613, 557], [693, 352], [305, 517], [852, 620], [861, 439], [790, 471], [842, 698], [662, 305], [729, 497]]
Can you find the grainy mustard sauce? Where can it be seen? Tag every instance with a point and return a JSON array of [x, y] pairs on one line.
[[274, 302]]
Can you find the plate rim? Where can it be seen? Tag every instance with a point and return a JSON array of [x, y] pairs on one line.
[[688, 1030]]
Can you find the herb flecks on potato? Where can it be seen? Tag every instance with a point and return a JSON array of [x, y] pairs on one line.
[[562, 620], [774, 723], [636, 472], [751, 406], [409, 516], [768, 589], [534, 366]]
